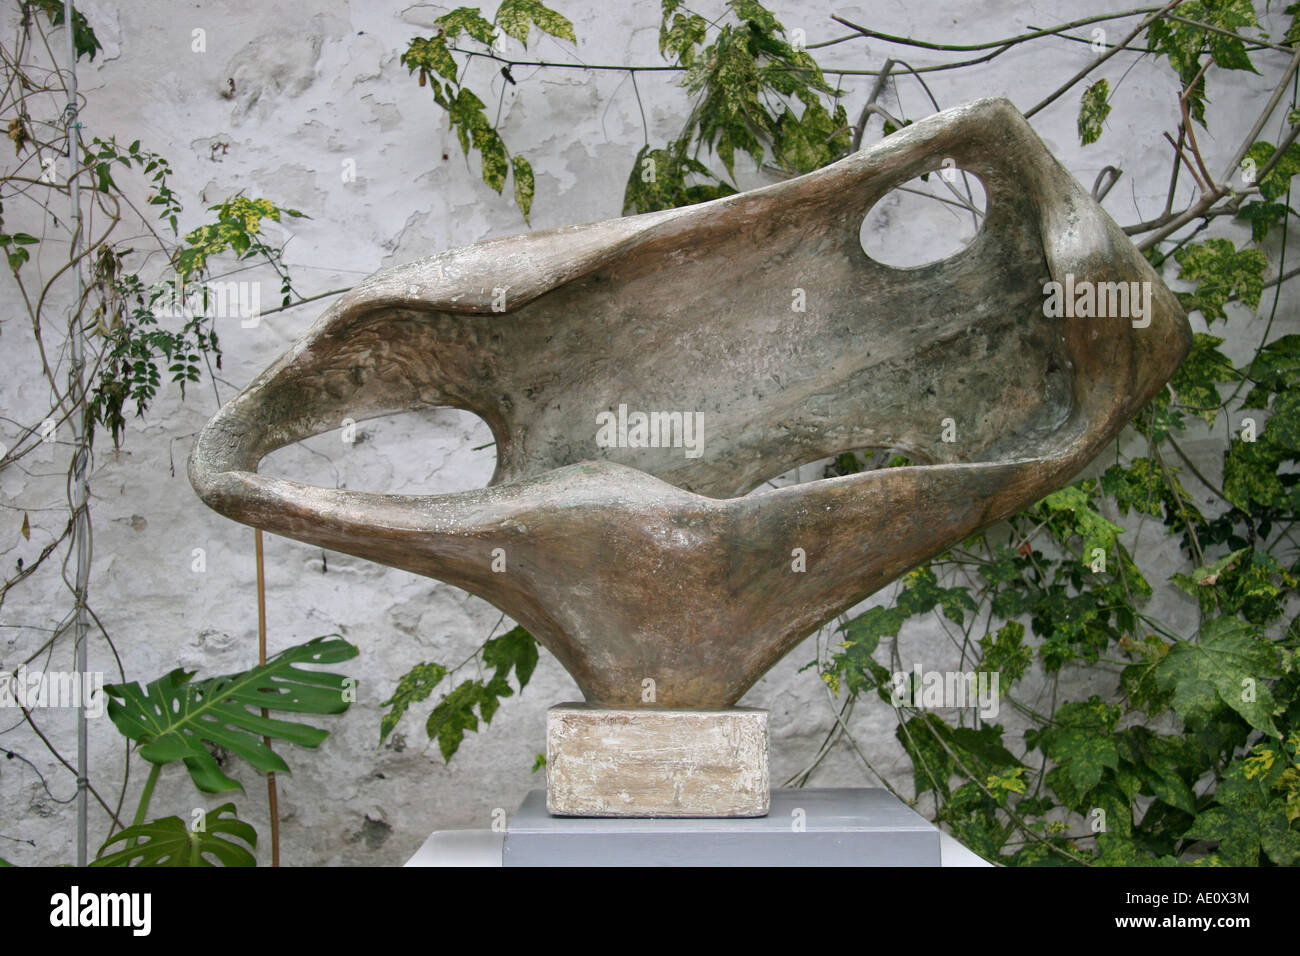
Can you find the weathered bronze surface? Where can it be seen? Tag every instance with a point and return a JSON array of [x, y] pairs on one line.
[[636, 563]]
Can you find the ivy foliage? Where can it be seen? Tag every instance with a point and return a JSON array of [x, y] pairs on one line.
[[1196, 31], [473, 699], [1058, 589], [1185, 42], [170, 324], [753, 93], [141, 330], [430, 58], [1093, 112], [84, 41]]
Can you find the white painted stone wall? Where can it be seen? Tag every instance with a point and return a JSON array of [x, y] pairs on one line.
[[317, 85]]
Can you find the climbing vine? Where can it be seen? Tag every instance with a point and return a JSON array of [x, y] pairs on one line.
[[150, 300]]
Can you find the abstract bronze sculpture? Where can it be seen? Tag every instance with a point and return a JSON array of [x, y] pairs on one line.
[[636, 563]]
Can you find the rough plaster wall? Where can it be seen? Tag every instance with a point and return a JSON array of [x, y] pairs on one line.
[[316, 84]]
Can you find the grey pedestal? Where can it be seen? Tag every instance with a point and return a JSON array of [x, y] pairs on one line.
[[832, 827]]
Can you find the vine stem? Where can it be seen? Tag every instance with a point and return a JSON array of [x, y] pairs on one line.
[[146, 795], [81, 438], [1065, 87], [988, 45], [272, 797]]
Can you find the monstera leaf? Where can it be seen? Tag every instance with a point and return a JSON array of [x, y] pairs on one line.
[[172, 718], [169, 842]]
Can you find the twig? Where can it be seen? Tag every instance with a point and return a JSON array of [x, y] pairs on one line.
[[1065, 88], [972, 47], [876, 89]]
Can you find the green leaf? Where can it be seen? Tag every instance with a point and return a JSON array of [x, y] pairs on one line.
[[1230, 666], [1138, 487], [1073, 505], [682, 37], [1005, 654], [921, 594], [753, 12], [1208, 576], [1262, 216], [1248, 819], [1276, 368], [1283, 428], [871, 625], [1184, 42], [1220, 271], [84, 41], [1158, 762], [932, 767], [1166, 785], [1278, 181], [812, 141], [1093, 111], [467, 20], [515, 17], [414, 686], [1158, 419], [471, 123], [1250, 474], [430, 55], [453, 716], [172, 718], [516, 649], [980, 749], [455, 713], [1196, 380], [169, 842], [1082, 746], [523, 173], [658, 181]]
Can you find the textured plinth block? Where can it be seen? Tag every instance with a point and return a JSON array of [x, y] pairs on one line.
[[602, 762], [849, 827]]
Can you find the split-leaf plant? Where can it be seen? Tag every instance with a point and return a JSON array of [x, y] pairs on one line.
[[176, 718]]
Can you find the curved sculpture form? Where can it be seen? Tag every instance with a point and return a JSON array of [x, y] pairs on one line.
[[629, 563]]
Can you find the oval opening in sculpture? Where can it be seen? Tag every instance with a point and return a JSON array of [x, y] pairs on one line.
[[925, 221], [425, 451]]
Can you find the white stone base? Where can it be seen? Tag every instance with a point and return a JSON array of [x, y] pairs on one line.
[[656, 763]]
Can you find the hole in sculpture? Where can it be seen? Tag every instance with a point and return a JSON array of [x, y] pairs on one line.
[[430, 451], [924, 220]]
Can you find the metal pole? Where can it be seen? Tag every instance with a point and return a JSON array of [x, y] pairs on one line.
[[80, 439]]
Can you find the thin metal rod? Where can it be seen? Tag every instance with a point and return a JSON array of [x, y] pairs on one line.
[[80, 440], [272, 798]]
